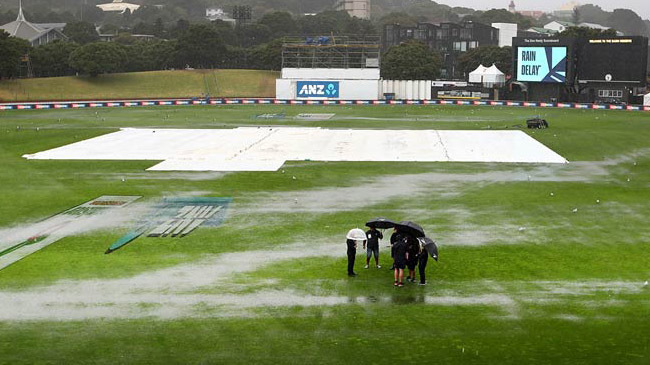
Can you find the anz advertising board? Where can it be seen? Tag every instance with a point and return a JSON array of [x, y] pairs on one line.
[[317, 89]]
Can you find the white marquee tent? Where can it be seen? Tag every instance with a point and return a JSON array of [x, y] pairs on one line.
[[488, 76], [476, 76]]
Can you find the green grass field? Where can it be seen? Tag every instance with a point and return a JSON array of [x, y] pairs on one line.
[[142, 85], [522, 278]]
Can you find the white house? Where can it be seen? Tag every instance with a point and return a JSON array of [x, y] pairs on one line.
[[559, 25], [356, 8], [213, 14]]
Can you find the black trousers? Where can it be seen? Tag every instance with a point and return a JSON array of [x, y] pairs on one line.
[[422, 265], [351, 257]]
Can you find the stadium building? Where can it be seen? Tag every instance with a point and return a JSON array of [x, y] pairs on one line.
[[356, 8], [605, 70], [450, 39], [330, 68]]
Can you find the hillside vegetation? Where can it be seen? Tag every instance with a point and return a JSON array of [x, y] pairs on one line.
[[155, 84]]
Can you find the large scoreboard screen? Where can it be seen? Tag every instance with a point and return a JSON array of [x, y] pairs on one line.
[[618, 59], [542, 64]]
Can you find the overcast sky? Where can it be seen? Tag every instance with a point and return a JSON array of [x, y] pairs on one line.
[[641, 7]]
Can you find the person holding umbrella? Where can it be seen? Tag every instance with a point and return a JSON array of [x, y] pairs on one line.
[[394, 238], [373, 236], [352, 254], [410, 231], [374, 224], [423, 258], [413, 250], [400, 256], [428, 248], [353, 236]]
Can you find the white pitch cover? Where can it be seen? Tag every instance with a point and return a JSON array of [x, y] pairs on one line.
[[267, 149]]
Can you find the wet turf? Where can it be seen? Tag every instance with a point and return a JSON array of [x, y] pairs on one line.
[[595, 309]]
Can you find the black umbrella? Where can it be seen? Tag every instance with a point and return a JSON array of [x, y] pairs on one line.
[[430, 246], [381, 223], [411, 228]]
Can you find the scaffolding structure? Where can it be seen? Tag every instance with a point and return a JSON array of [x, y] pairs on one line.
[[331, 52]]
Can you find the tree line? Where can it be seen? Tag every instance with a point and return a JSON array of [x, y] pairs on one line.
[[253, 45]]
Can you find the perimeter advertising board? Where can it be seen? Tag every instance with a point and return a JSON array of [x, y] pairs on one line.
[[317, 89]]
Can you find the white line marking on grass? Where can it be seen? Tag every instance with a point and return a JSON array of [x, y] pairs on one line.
[[64, 225]]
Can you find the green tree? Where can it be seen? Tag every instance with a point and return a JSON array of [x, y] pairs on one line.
[[502, 16], [432, 11], [593, 14], [411, 61], [144, 28], [159, 28], [90, 13], [109, 29], [268, 56], [360, 27], [98, 58], [280, 23], [161, 54], [8, 16], [324, 23], [237, 57], [12, 50], [200, 47], [586, 32], [138, 56], [253, 34], [181, 27], [81, 32], [628, 22], [228, 32], [53, 59], [575, 16], [486, 56], [400, 18]]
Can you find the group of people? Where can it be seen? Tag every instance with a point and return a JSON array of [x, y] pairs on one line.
[[406, 252]]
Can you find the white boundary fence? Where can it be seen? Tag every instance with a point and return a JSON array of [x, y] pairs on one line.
[[407, 89]]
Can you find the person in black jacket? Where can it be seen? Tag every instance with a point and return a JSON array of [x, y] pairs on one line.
[[422, 265], [413, 250], [400, 257], [352, 254], [394, 238], [373, 236]]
